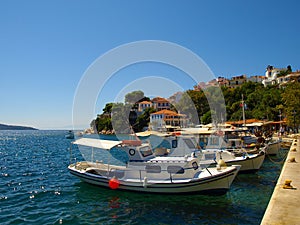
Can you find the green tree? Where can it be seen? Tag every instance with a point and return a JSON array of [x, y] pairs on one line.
[[216, 103], [133, 97], [291, 103], [143, 120], [120, 118], [107, 108], [103, 122], [191, 104], [262, 103], [206, 118]]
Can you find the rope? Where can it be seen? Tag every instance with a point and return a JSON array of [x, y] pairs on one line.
[[281, 160]]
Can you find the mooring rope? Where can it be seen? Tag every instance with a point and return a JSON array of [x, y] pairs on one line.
[[281, 160]]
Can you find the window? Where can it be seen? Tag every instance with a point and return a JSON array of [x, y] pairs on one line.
[[175, 169], [214, 140], [153, 169], [146, 151], [174, 143], [189, 143]]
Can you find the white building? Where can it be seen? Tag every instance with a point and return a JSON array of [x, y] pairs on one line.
[[256, 79], [142, 106], [271, 75], [164, 119]]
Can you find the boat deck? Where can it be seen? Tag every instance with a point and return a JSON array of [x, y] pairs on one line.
[[283, 207], [83, 165]]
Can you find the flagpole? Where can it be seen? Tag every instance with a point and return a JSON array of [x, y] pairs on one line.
[[243, 106]]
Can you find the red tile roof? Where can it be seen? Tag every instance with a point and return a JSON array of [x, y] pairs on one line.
[[166, 112]]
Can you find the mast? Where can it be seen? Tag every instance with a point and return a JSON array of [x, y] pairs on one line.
[[244, 120]]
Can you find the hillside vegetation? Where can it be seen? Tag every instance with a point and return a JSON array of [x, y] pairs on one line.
[[263, 103]]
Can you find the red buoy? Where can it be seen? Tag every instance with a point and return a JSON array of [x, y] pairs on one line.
[[114, 183]]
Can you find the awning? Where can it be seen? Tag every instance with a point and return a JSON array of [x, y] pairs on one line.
[[255, 124], [150, 132], [97, 143], [196, 130]]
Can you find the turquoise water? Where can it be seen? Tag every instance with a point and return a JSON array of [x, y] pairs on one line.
[[36, 188]]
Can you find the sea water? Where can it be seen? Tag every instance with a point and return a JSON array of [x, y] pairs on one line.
[[36, 188]]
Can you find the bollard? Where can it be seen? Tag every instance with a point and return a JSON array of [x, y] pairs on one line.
[[287, 184], [293, 149], [292, 160]]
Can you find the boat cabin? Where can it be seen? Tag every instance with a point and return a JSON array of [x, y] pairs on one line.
[[139, 153]]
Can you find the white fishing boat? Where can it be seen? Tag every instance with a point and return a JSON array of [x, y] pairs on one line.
[[216, 151], [146, 172], [249, 162]]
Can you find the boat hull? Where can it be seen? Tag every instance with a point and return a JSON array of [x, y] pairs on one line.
[[250, 163], [273, 148], [215, 184]]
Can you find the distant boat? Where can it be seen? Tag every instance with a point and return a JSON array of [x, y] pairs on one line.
[[70, 135], [146, 172]]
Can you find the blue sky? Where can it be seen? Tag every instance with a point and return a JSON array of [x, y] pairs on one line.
[[46, 46]]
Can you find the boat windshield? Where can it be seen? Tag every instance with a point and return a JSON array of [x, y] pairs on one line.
[[189, 143], [145, 151]]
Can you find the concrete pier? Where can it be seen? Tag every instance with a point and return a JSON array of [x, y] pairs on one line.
[[284, 205]]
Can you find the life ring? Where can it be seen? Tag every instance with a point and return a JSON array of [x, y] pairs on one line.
[[220, 133], [131, 152], [195, 165]]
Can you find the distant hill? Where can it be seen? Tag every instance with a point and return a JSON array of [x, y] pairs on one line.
[[12, 127]]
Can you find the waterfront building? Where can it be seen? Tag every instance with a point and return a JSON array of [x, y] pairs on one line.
[[144, 105], [164, 119], [159, 103]]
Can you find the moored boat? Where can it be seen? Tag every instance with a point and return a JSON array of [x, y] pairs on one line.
[[146, 172], [216, 150], [272, 147], [249, 162]]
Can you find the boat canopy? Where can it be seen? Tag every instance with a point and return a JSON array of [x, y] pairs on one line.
[[97, 143]]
